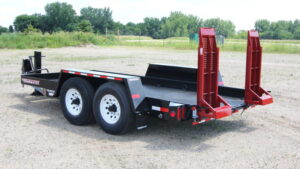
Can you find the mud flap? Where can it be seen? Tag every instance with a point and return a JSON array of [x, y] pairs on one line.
[[141, 121]]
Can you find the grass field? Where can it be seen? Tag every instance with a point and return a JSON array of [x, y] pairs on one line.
[[62, 39]]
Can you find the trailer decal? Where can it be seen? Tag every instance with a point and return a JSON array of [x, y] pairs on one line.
[[92, 75], [30, 81]]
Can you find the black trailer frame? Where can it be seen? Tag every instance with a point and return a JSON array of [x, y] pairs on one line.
[[166, 91]]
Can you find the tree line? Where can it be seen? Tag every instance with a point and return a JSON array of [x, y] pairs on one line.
[[278, 30], [62, 17]]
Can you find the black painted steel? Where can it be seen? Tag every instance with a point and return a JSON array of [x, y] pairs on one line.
[[37, 61], [161, 86]]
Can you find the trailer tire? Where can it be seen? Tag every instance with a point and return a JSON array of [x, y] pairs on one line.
[[76, 98], [112, 110]]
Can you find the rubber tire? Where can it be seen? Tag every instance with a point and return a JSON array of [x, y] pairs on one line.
[[126, 120], [87, 93]]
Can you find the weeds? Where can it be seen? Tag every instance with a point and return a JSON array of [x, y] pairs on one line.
[[62, 39]]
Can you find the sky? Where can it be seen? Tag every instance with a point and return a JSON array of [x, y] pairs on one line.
[[242, 13]]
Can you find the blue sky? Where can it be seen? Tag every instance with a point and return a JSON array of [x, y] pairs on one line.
[[242, 13]]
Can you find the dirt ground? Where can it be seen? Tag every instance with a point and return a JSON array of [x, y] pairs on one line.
[[34, 133]]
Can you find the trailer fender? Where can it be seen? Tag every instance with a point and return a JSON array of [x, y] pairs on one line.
[[136, 92]]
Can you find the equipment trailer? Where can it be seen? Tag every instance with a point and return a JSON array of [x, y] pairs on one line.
[[118, 102]]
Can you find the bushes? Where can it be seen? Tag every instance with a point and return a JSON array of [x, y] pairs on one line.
[[55, 40]]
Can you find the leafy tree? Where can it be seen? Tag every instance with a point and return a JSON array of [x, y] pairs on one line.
[[131, 29], [241, 34], [277, 30], [101, 19], [84, 26], [30, 29], [11, 29], [262, 25], [280, 30], [152, 27], [297, 33], [22, 21], [223, 27], [3, 30], [179, 24], [119, 28], [59, 16], [295, 25]]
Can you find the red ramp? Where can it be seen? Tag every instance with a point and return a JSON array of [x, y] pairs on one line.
[[254, 93]]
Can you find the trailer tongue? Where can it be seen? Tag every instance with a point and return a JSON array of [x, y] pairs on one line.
[[118, 100]]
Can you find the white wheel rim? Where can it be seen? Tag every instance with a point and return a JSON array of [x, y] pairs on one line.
[[110, 109], [73, 102]]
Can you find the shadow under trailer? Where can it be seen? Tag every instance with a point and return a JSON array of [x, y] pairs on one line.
[[119, 102]]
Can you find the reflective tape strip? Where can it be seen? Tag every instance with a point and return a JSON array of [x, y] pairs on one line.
[[155, 108], [90, 75], [93, 75], [135, 96], [205, 120], [162, 109], [117, 78]]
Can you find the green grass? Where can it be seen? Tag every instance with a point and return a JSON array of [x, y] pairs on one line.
[[55, 40], [129, 37], [72, 59], [160, 44], [179, 38], [269, 46], [62, 39]]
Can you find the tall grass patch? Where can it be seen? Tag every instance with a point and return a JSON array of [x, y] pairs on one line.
[[55, 40]]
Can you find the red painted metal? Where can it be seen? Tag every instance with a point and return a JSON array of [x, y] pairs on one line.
[[207, 77], [183, 109], [254, 94], [179, 110]]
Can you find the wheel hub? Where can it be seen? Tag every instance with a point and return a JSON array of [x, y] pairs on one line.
[[73, 101], [110, 109], [76, 101]]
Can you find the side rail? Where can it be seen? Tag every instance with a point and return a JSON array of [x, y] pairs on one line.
[[254, 93]]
